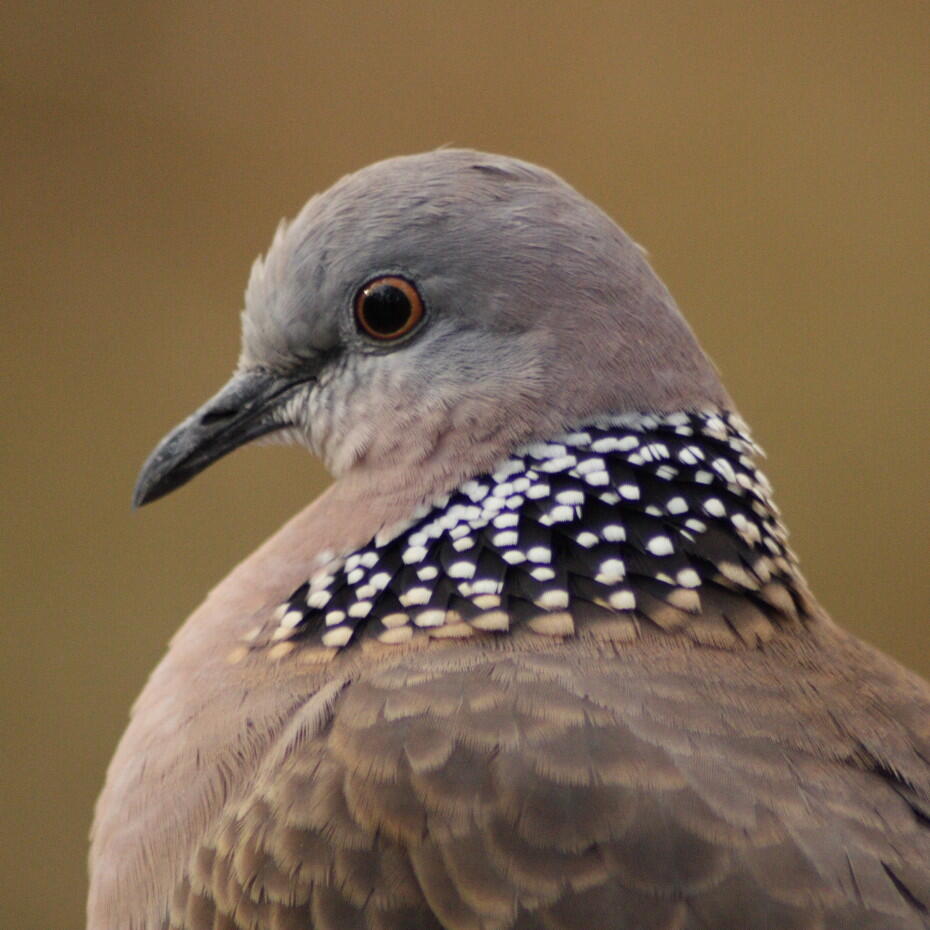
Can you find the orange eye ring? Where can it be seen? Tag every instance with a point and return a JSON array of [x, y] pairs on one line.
[[387, 308]]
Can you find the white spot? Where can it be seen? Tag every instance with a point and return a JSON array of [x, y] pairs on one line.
[[462, 570], [688, 578], [504, 520], [427, 618], [507, 538], [360, 609], [561, 464], [338, 636], [597, 479], [546, 450], [474, 491], [629, 492], [725, 470], [609, 497], [415, 596], [380, 580], [495, 620], [562, 514], [510, 467], [414, 554], [610, 572], [653, 511], [539, 554], [355, 576], [537, 491], [714, 507], [613, 444], [703, 477], [463, 544], [588, 466], [395, 620], [335, 616], [660, 545], [622, 600], [513, 556], [553, 600], [486, 601], [586, 539], [542, 573], [666, 472], [614, 532], [677, 505], [318, 599], [291, 619], [428, 572], [713, 424], [576, 439], [486, 586], [369, 559], [365, 592], [698, 526]]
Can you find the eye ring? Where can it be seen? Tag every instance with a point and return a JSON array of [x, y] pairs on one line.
[[388, 307]]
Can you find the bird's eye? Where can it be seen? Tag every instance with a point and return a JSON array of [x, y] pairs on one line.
[[388, 308]]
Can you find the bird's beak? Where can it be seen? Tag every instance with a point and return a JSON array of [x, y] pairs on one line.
[[247, 407]]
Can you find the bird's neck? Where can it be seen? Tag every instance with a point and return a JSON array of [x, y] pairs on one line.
[[628, 524]]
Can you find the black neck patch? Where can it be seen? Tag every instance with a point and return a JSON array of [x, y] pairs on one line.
[[626, 514]]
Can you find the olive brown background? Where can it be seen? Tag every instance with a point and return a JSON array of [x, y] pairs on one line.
[[773, 158]]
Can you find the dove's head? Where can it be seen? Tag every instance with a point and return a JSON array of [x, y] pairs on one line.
[[429, 313]]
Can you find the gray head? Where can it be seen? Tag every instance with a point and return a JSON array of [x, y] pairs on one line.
[[427, 314]]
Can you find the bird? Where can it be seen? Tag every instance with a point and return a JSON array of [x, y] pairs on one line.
[[541, 655]]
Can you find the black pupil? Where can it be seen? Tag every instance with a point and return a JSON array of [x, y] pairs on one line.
[[386, 309]]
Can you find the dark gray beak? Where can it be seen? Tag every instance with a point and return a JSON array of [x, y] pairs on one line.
[[244, 409]]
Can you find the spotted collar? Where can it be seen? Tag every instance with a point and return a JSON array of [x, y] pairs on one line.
[[642, 518]]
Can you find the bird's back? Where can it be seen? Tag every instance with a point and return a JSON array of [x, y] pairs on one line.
[[545, 784]]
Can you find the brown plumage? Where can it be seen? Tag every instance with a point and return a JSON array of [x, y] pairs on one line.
[[540, 657]]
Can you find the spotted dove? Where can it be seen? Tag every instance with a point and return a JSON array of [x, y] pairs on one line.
[[541, 656]]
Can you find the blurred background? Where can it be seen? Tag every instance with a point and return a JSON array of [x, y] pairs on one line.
[[773, 158]]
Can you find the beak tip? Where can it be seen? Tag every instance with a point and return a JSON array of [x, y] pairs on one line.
[[141, 495], [154, 483]]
